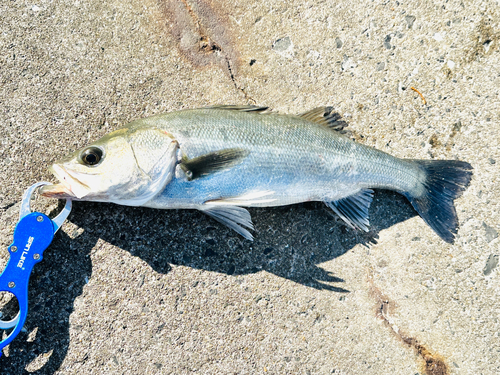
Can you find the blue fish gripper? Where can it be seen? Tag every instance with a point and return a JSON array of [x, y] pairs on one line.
[[33, 234]]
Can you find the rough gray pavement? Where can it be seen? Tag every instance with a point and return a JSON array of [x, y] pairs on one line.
[[141, 291]]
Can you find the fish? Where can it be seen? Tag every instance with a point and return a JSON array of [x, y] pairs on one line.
[[222, 159]]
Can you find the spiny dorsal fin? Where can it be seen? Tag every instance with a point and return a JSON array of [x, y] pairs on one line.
[[354, 209], [241, 108], [326, 117], [212, 162]]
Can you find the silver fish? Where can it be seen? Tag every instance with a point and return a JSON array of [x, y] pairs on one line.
[[223, 158]]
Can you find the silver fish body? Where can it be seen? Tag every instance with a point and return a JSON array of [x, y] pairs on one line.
[[281, 160], [291, 160]]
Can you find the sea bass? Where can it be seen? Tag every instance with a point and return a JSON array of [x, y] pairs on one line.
[[221, 159]]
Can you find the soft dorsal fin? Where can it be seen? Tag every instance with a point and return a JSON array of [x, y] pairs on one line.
[[212, 162], [354, 209], [241, 108], [233, 216], [326, 117]]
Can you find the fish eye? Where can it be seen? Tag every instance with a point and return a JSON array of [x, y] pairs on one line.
[[91, 156]]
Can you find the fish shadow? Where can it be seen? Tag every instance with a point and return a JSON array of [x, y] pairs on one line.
[[290, 242]]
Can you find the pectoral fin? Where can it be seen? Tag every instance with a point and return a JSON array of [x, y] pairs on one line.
[[233, 216], [354, 209], [212, 162]]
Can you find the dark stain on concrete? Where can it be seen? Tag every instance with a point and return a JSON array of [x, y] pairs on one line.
[[434, 141], [200, 32], [456, 128], [432, 363], [454, 131], [202, 35], [485, 41]]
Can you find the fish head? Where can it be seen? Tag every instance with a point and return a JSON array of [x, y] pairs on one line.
[[128, 166]]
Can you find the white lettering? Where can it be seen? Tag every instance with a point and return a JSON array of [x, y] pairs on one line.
[[26, 250]]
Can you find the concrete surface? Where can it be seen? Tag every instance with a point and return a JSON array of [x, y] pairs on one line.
[[140, 291]]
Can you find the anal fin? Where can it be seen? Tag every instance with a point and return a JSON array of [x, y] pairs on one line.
[[354, 209], [234, 217]]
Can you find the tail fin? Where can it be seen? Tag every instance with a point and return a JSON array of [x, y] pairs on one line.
[[446, 180]]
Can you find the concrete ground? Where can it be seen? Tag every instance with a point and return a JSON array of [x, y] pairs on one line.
[[140, 291]]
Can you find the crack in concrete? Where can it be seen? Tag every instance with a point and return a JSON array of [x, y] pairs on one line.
[[247, 97], [7, 206], [434, 364]]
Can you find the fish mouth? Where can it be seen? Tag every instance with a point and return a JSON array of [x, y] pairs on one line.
[[66, 187]]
